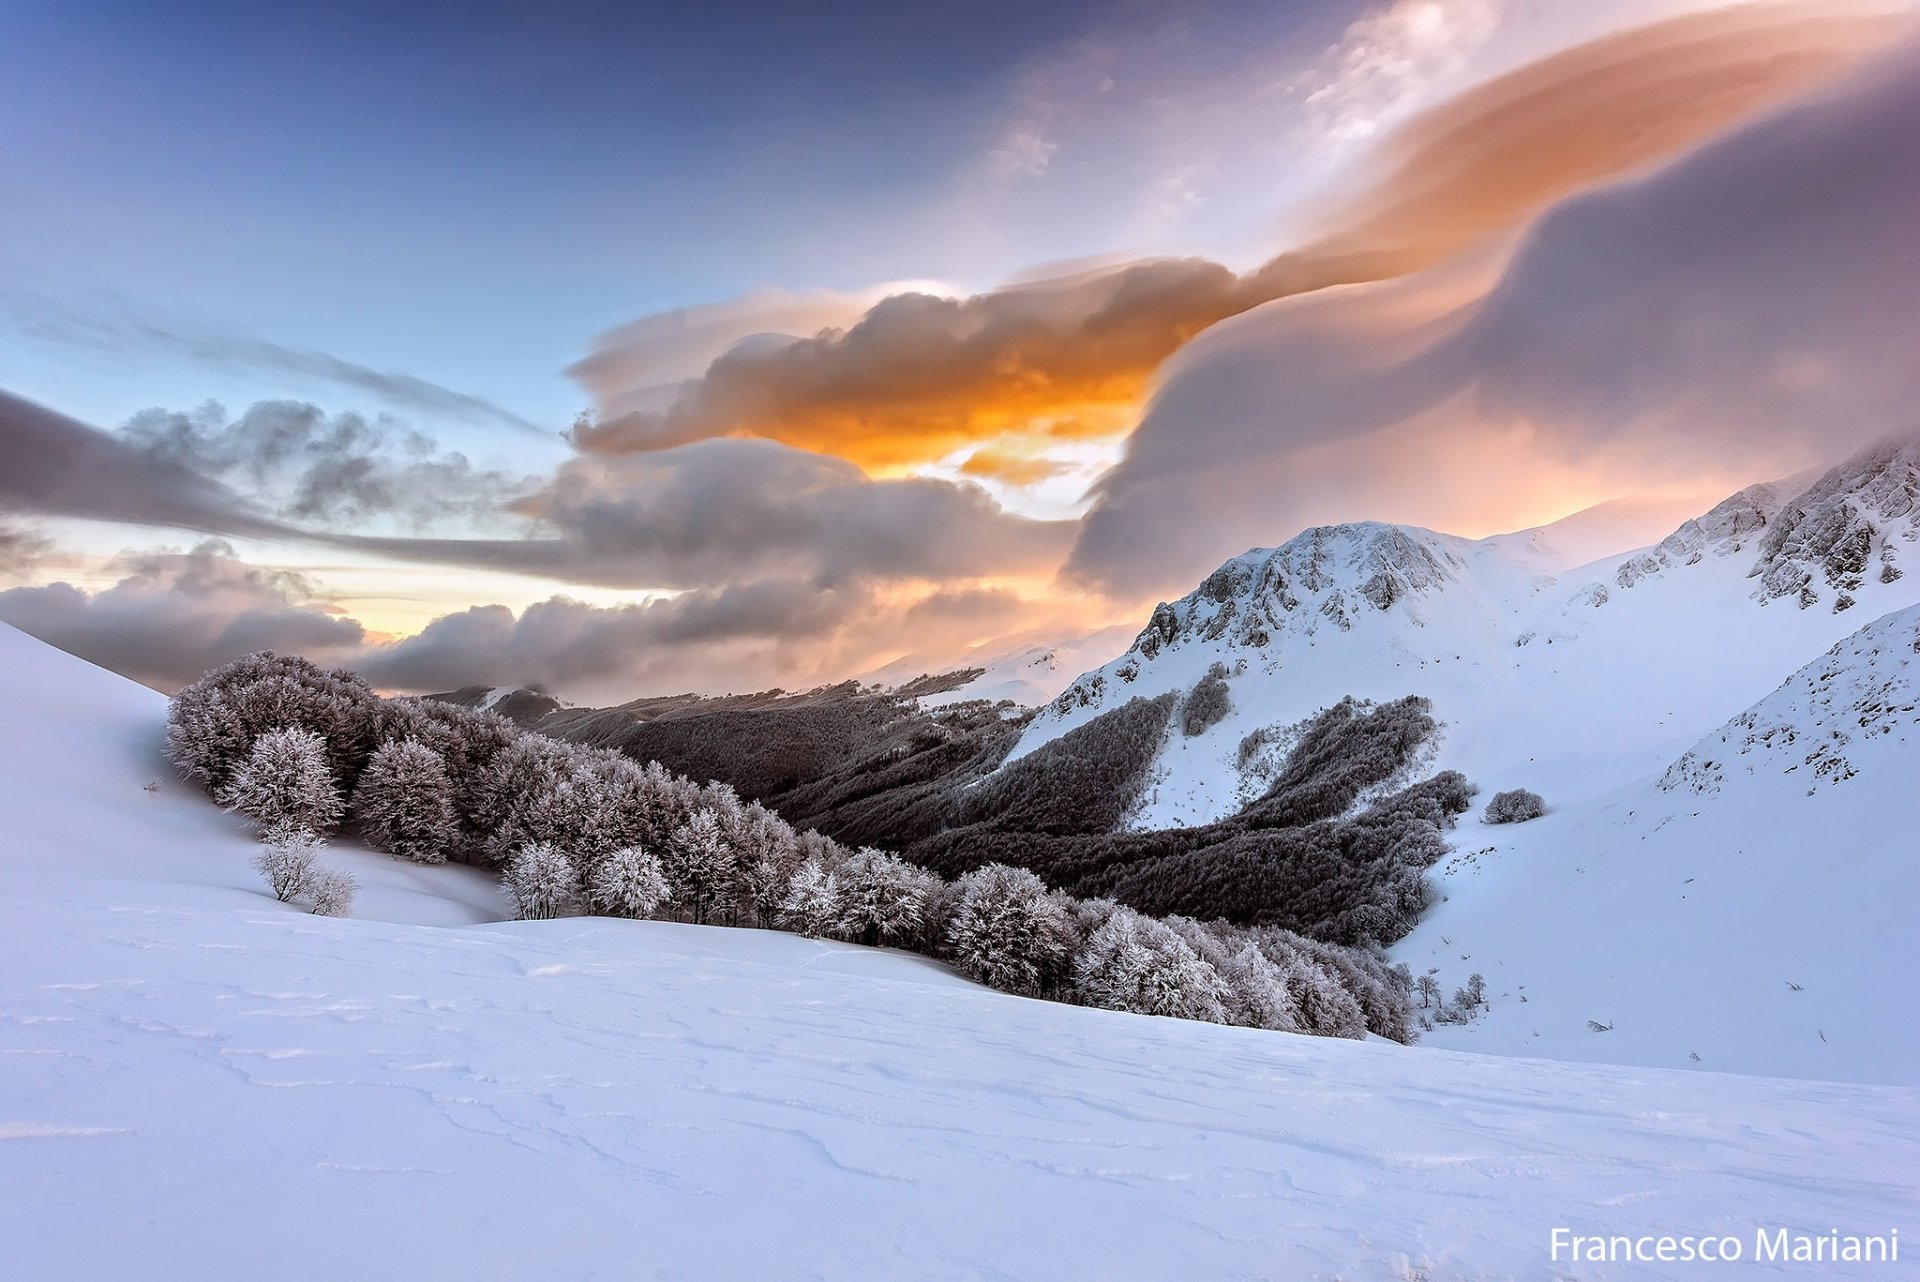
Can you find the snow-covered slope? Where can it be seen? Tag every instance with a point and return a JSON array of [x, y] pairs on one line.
[[198, 1083], [1025, 671], [92, 807], [1751, 906], [1570, 683]]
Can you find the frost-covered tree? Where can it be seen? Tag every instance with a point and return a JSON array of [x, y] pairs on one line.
[[627, 883], [1258, 992], [541, 883], [766, 852], [1257, 995], [1326, 1008], [812, 905], [1008, 933], [1136, 963], [1515, 805], [286, 861], [698, 864], [206, 740], [1207, 704], [1473, 995], [286, 784], [1428, 989], [331, 891], [404, 803], [882, 897]]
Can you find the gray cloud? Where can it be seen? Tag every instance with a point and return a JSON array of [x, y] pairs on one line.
[[756, 632], [57, 466], [122, 327], [174, 615], [730, 511], [1749, 308], [21, 549], [323, 467]]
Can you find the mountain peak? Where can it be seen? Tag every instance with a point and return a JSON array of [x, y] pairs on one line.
[[1843, 527], [1336, 574]]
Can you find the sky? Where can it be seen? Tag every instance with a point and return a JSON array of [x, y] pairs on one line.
[[628, 348]]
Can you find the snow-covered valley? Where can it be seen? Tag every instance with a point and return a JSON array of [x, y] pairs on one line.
[[199, 1082]]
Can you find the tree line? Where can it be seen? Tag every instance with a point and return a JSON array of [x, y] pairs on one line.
[[304, 752]]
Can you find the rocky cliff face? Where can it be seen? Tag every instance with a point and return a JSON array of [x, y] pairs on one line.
[[1827, 541]]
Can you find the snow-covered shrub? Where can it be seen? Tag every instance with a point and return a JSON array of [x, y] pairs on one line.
[[812, 905], [286, 861], [541, 883], [698, 864], [331, 892], [1008, 932], [1207, 704], [1515, 805], [1140, 964], [404, 803], [285, 784], [882, 897], [627, 883]]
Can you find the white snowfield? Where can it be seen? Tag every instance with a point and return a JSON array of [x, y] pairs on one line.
[[197, 1082], [1752, 907]]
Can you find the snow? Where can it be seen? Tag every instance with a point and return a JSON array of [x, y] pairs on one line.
[[1752, 906], [1023, 671], [197, 1082], [1572, 684], [1680, 919]]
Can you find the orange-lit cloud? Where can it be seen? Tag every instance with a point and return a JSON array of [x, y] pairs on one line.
[[919, 377], [1602, 109]]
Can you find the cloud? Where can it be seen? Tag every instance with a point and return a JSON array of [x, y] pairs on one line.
[[175, 614], [1026, 153], [638, 366], [729, 511], [736, 637], [1505, 148], [1748, 309], [918, 377], [22, 550], [327, 468], [57, 466], [118, 326], [1390, 58], [687, 641]]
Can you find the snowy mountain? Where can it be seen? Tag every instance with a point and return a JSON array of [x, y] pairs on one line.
[[1748, 906], [1570, 682], [1027, 672], [197, 1081]]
